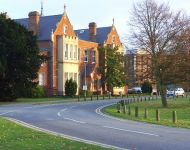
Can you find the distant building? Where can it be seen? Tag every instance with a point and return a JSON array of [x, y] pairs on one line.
[[73, 53], [137, 67]]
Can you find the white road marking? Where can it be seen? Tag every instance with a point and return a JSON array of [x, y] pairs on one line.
[[62, 110], [6, 112], [132, 131], [98, 111], [75, 120]]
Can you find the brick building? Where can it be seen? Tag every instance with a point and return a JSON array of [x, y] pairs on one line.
[[137, 66], [72, 53]]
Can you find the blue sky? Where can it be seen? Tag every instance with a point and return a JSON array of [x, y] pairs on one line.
[[81, 12]]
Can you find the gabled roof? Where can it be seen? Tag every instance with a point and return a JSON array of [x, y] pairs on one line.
[[101, 36], [47, 23]]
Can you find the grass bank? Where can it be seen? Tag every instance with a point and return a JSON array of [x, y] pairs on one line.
[[16, 137], [180, 105]]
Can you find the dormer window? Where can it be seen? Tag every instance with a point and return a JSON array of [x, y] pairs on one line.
[[65, 29]]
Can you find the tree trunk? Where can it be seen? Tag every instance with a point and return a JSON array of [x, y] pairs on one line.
[[163, 95]]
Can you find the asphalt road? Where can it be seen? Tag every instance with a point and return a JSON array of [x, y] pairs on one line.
[[85, 121]]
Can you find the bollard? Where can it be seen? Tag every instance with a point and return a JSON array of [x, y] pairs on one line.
[[97, 97], [174, 117], [124, 108], [84, 98], [78, 98], [109, 95], [118, 107], [136, 111], [129, 110], [145, 113], [91, 97], [157, 115]]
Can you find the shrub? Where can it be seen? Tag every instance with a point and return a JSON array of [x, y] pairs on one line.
[[38, 92], [146, 87], [88, 93], [70, 87]]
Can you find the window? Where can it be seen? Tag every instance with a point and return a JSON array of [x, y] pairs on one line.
[[66, 76], [75, 52], [79, 54], [41, 78], [113, 39], [66, 51], [71, 51], [86, 55], [65, 29], [93, 56], [70, 75], [75, 77]]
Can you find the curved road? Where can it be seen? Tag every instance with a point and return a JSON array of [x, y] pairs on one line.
[[84, 120]]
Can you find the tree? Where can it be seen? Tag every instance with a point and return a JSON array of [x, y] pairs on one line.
[[112, 68], [70, 87], [162, 34], [146, 87], [20, 59]]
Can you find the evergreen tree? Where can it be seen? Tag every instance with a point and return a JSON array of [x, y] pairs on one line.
[[112, 68], [20, 59], [70, 87]]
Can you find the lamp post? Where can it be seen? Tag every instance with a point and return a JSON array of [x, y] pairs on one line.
[[85, 80]]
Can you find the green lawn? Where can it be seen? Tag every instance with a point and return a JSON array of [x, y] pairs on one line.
[[55, 99], [181, 105], [16, 137]]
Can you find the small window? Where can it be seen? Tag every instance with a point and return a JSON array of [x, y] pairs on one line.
[[41, 78], [65, 29], [71, 51], [93, 56], [86, 55], [75, 77], [75, 52], [113, 39], [66, 50]]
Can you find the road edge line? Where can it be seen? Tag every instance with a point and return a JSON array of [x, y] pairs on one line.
[[22, 123]]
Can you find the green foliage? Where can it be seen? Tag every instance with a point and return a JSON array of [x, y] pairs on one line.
[[70, 87], [146, 87], [88, 93], [38, 92], [112, 67], [19, 59]]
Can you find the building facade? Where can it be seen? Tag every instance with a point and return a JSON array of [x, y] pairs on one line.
[[137, 66], [72, 53]]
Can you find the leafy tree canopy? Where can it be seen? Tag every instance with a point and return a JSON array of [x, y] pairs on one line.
[[20, 59]]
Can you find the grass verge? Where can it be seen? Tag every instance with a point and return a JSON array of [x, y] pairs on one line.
[[180, 105], [17, 137]]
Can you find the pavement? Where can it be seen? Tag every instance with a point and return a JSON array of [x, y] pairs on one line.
[[84, 121]]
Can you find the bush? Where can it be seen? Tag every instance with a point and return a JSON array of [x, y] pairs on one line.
[[70, 88], [38, 92], [146, 87], [88, 93]]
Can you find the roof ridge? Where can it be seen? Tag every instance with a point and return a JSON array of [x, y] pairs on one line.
[[96, 28]]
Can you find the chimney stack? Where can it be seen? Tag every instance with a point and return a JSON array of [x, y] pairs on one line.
[[34, 22], [92, 31]]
